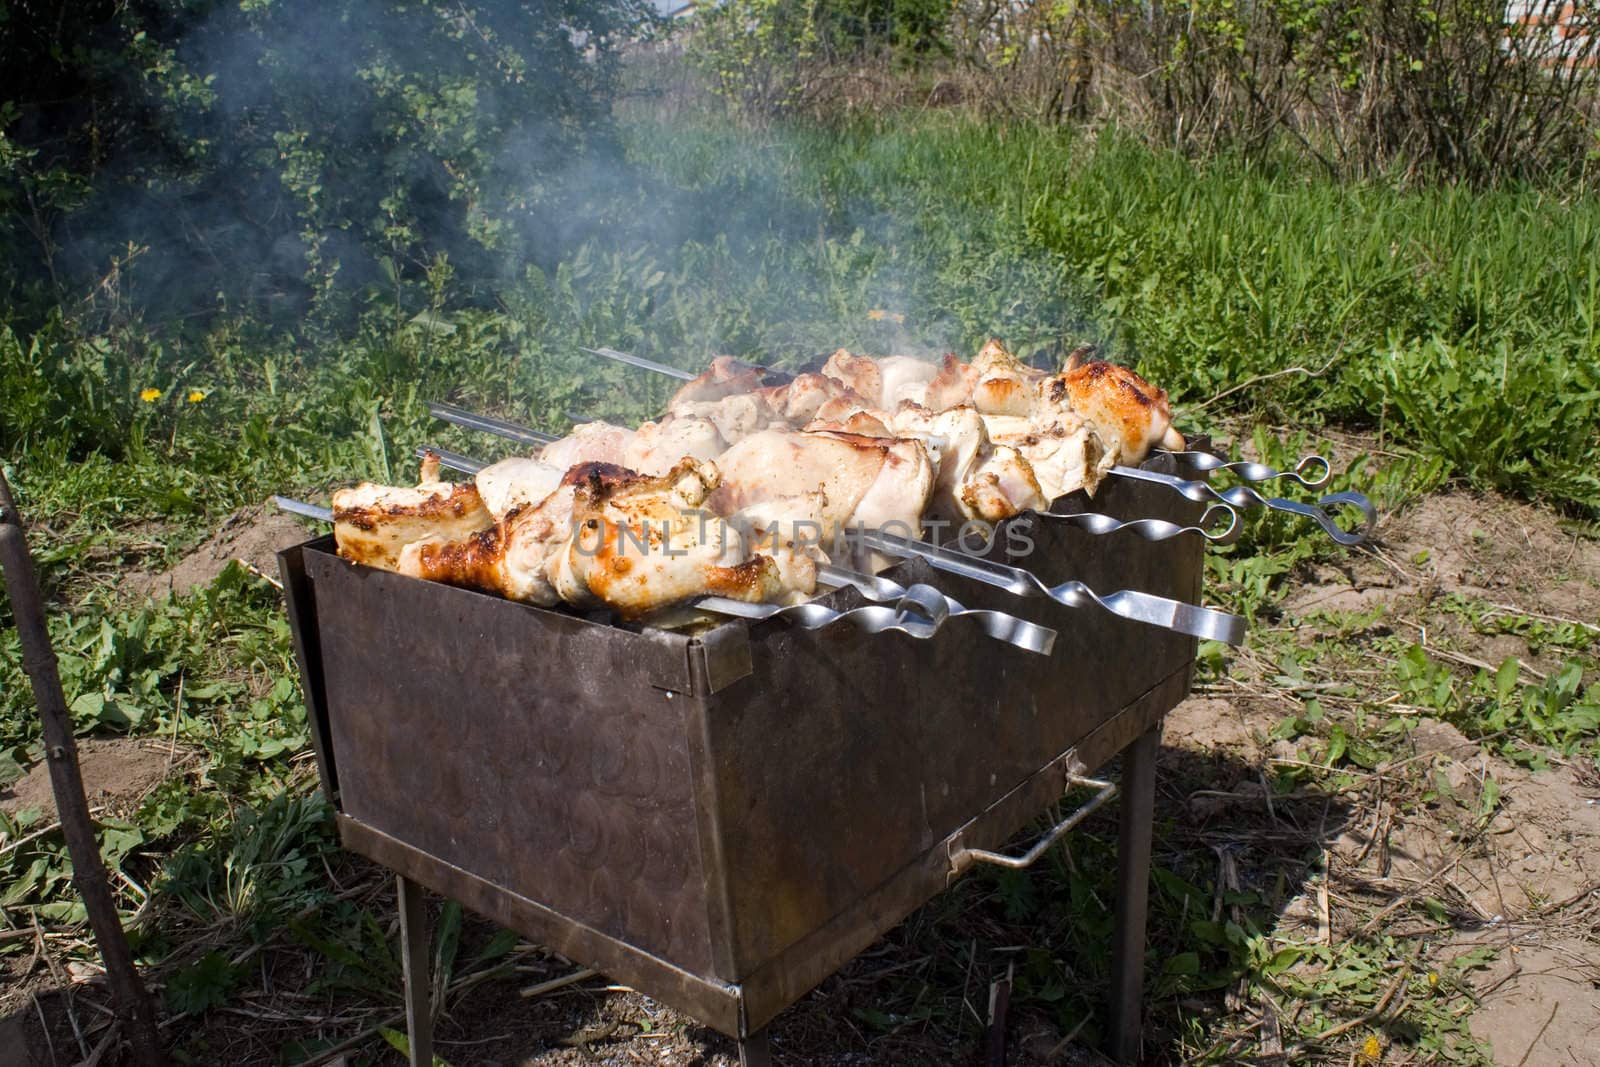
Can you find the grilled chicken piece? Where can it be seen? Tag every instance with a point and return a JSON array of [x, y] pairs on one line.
[[905, 380], [725, 376], [514, 482], [850, 478], [796, 403], [977, 479], [589, 442], [510, 557], [1002, 384], [1125, 410], [373, 523], [1065, 453], [951, 386], [860, 374], [657, 447], [736, 416], [641, 544], [880, 383]]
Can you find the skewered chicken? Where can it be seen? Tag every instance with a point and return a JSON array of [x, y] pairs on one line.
[[373, 523], [842, 478], [1123, 407], [657, 447], [636, 520], [608, 536], [1003, 437], [509, 558], [725, 376], [516, 481], [640, 544], [589, 442]]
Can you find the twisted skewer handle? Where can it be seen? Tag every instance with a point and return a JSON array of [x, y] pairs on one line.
[[1204, 623], [1260, 472], [1323, 512], [1220, 525], [919, 613], [997, 624]]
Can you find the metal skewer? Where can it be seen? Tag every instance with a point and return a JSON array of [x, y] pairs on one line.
[[1322, 512], [489, 424], [303, 509], [1159, 529], [1191, 619], [1259, 472], [1220, 524], [642, 363], [920, 611]]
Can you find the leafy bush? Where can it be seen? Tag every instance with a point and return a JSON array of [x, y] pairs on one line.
[[278, 151], [1443, 87]]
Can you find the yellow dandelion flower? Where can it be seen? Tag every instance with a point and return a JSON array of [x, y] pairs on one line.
[[150, 396], [877, 314], [1371, 1049], [195, 396], [898, 318]]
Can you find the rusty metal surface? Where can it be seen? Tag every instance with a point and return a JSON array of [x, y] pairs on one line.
[[301, 598], [538, 750], [839, 761], [722, 820], [716, 1004], [796, 970]]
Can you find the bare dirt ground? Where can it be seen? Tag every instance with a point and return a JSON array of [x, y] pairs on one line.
[[252, 536], [1397, 851], [116, 771]]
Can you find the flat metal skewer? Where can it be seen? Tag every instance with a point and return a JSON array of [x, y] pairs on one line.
[[1323, 512], [1191, 619], [489, 424], [1220, 525], [642, 363], [1259, 472], [919, 612]]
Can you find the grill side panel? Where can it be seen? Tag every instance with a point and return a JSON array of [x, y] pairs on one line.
[[527, 747], [842, 760]]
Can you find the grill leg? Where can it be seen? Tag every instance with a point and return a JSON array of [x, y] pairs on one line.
[[1133, 895], [755, 1050], [414, 938]]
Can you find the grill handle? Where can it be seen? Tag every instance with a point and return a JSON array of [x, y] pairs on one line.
[[963, 858]]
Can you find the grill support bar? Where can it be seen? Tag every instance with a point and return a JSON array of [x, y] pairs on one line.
[[755, 1050], [1133, 894], [414, 940]]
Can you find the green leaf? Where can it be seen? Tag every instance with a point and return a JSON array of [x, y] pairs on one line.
[[1282, 960], [202, 985], [1184, 963], [1337, 742]]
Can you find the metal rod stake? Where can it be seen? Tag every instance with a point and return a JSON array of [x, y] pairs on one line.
[[1133, 895], [414, 957], [134, 1007]]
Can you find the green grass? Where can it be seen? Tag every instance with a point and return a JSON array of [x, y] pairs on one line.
[[1459, 327]]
